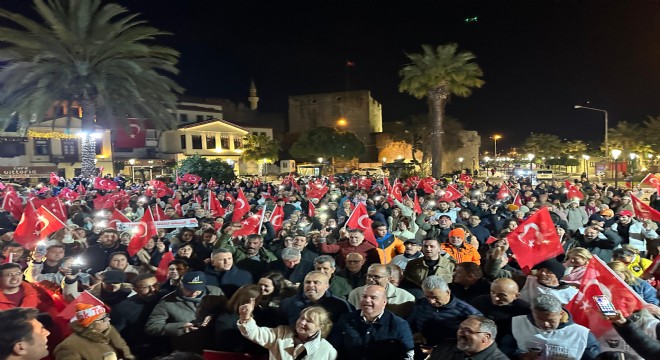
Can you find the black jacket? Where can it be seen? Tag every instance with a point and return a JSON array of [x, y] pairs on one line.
[[129, 317], [229, 281], [334, 305], [646, 347], [448, 351], [97, 256]]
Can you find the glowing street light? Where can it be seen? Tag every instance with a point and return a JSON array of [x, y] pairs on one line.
[[495, 138], [615, 154], [530, 157], [586, 164], [342, 121]]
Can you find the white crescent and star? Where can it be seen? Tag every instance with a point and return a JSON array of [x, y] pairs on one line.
[[359, 221], [141, 229], [136, 127], [525, 231], [242, 204], [40, 220], [274, 220]]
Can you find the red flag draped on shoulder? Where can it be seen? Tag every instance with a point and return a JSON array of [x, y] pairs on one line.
[[599, 279], [241, 207], [277, 218], [145, 230], [535, 240], [360, 220], [643, 211]]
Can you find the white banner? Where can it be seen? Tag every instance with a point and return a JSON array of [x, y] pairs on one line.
[[177, 223]]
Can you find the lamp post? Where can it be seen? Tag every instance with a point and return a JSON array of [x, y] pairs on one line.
[[615, 154], [460, 163], [607, 148], [530, 157], [586, 164], [633, 157], [495, 138], [486, 160]]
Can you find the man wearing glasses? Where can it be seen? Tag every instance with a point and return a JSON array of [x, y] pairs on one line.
[[475, 339], [399, 301], [93, 337], [14, 292]]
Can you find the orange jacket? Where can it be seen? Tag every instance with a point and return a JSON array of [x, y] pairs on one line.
[[466, 253], [30, 298], [389, 247]]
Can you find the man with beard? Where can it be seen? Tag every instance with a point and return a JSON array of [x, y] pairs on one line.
[[252, 256], [475, 339], [130, 317], [315, 292], [97, 256]]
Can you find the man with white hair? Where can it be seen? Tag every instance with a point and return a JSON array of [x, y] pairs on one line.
[[292, 266], [549, 333], [399, 301], [475, 340], [437, 316]]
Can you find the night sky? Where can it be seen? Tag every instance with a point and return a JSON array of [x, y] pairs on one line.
[[539, 57]]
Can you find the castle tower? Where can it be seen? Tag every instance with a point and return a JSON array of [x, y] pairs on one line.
[[253, 99]]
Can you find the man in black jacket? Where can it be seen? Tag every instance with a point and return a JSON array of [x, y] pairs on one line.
[[97, 256], [223, 274], [475, 339]]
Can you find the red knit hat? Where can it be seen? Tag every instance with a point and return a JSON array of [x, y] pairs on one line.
[[457, 232]]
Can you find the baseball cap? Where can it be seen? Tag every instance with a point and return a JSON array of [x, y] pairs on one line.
[[607, 212], [444, 215], [412, 241], [626, 213], [194, 281]]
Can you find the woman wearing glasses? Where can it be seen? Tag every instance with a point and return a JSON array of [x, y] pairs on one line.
[[93, 337]]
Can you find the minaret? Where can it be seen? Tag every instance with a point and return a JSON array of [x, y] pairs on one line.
[[253, 99]]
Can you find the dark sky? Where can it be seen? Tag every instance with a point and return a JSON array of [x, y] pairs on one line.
[[539, 57]]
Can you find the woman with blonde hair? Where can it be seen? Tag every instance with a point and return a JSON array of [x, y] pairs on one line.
[[641, 287], [306, 340], [629, 255], [576, 263]]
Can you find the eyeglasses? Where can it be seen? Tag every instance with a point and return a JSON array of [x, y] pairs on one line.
[[103, 319], [12, 275], [468, 331]]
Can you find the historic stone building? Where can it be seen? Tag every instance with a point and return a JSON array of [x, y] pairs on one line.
[[355, 111]]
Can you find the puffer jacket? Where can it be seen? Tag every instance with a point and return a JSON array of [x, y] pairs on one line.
[[85, 344], [465, 253]]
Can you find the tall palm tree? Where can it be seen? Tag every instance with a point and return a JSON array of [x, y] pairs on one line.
[[436, 74], [91, 53], [627, 137], [543, 145]]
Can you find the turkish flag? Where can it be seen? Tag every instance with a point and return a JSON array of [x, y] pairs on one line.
[[364, 183], [360, 220], [163, 265], [81, 189], [215, 207], [212, 184], [68, 194], [191, 178], [426, 186], [36, 225], [69, 312], [53, 204], [517, 201], [503, 193], [311, 209], [277, 218], [104, 184], [251, 225], [396, 191], [535, 240], [241, 207], [651, 179], [572, 191], [117, 217], [451, 194], [54, 179], [159, 214], [643, 211], [412, 181], [104, 201], [145, 230], [177, 206], [490, 240], [12, 203], [317, 191], [417, 208], [599, 279], [465, 177], [134, 136]]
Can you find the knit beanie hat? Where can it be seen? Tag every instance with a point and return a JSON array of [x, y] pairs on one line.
[[457, 232], [86, 314], [553, 266]]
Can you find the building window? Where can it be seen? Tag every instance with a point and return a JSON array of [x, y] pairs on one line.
[[151, 134], [255, 133], [237, 143], [183, 117], [262, 134], [69, 147], [183, 142], [209, 117], [196, 141], [224, 142], [42, 146], [98, 146], [200, 118], [210, 141]]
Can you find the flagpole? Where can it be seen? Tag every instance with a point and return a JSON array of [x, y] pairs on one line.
[[261, 221]]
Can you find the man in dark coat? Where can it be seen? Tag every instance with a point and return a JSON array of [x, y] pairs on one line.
[[97, 256], [223, 274]]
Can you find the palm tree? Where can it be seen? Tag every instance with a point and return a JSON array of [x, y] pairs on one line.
[[436, 74], [260, 148], [627, 137], [543, 145], [90, 53]]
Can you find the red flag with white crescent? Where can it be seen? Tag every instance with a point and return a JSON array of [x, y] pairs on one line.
[[241, 207], [12, 203], [277, 218], [535, 240], [643, 211], [177, 207], [104, 184], [451, 193], [311, 209], [54, 179], [145, 230], [417, 208], [117, 217], [360, 220], [215, 207], [651, 179]]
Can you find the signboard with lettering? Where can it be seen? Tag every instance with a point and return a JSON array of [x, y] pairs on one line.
[[21, 172], [177, 223]]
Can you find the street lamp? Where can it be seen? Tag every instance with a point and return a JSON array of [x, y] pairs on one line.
[[606, 126], [460, 163], [486, 159], [495, 138], [586, 164], [615, 154], [530, 157], [633, 156]]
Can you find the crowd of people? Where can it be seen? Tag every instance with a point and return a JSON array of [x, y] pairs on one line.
[[431, 278]]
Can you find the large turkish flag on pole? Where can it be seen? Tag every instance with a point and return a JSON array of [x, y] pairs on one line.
[[132, 136], [535, 240]]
